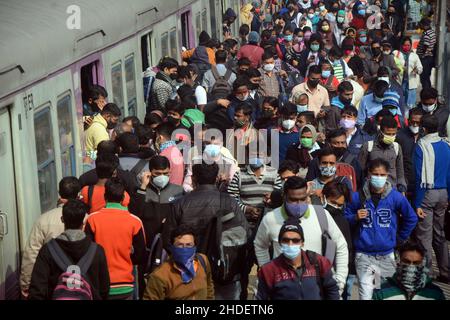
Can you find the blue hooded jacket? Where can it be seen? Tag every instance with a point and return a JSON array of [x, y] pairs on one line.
[[377, 234]]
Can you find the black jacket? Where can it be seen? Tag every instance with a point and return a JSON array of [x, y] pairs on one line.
[[405, 139], [46, 272], [197, 209], [153, 207], [442, 114], [90, 178]]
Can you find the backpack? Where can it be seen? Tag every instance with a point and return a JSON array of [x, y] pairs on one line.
[[283, 98], [72, 283], [370, 147], [157, 255], [346, 170], [329, 247], [136, 170], [312, 257], [226, 246], [221, 88]]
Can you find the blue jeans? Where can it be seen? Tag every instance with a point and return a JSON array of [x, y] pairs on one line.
[[410, 98], [347, 294]]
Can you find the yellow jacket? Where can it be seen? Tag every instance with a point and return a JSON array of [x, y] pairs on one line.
[[96, 133]]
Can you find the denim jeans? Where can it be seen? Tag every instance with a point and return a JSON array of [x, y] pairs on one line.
[[347, 294], [371, 270], [428, 64], [410, 98]]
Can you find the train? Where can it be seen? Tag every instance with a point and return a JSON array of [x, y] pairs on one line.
[[51, 52]]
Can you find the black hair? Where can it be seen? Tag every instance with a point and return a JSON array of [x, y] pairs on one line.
[[135, 122], [129, 142], [404, 39], [376, 163], [309, 116], [246, 109], [412, 245], [345, 86], [351, 110], [335, 189], [294, 183], [335, 133], [158, 163], [152, 118], [182, 230], [175, 107], [383, 70], [289, 165], [205, 173], [314, 69], [114, 190], [95, 91], [241, 81], [165, 129], [335, 52], [431, 123], [415, 112], [143, 133], [380, 87], [221, 56], [274, 102], [168, 63], [112, 109], [288, 109], [69, 187], [324, 152], [244, 62], [315, 37], [229, 44], [105, 165], [268, 54], [428, 93], [253, 73], [388, 123], [244, 30], [107, 146], [73, 213], [184, 72]]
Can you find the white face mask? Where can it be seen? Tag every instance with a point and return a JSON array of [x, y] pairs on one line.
[[414, 129], [288, 124], [243, 98], [384, 79], [269, 67], [429, 108]]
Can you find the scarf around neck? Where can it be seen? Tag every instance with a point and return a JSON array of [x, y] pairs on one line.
[[428, 162]]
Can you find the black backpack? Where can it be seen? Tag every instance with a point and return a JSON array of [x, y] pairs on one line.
[[221, 88], [226, 245]]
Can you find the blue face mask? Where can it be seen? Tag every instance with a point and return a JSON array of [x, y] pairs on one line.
[[289, 38], [184, 258], [363, 39], [378, 182], [212, 150], [362, 12], [326, 74], [255, 163], [290, 252], [296, 210], [302, 108], [315, 47], [393, 111]]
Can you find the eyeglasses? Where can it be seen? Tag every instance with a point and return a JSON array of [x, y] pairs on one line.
[[288, 240]]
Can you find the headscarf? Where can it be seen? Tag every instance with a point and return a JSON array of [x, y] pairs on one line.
[[304, 153]]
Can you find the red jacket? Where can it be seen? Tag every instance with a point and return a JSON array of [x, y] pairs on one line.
[[253, 53]]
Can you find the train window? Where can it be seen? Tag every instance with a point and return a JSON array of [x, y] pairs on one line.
[[173, 43], [89, 77], [146, 51], [198, 24], [65, 125], [45, 154], [204, 20], [130, 83], [185, 25], [117, 86], [164, 44]]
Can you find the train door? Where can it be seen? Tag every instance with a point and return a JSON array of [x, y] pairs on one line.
[[9, 232], [121, 75]]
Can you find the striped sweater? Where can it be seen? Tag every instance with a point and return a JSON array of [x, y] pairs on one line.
[[248, 190], [390, 290], [426, 44]]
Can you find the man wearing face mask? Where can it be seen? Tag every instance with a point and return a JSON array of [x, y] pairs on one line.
[[296, 207], [385, 147], [376, 60], [430, 105], [372, 102], [411, 280], [269, 86], [241, 95], [407, 138], [374, 213], [106, 120], [288, 132], [395, 89], [296, 274], [165, 83], [186, 275], [432, 171]]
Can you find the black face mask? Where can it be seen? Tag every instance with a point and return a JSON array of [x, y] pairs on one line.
[[376, 52], [174, 76], [334, 211], [173, 120], [313, 83], [339, 151], [267, 114], [346, 102], [253, 86]]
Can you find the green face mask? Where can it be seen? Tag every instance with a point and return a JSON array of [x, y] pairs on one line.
[[307, 142]]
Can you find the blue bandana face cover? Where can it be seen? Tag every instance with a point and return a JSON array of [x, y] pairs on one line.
[[184, 258]]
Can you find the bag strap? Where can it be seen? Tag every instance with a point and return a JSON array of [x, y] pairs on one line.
[[321, 216], [90, 194], [329, 80], [396, 148], [370, 146], [202, 262], [228, 74], [86, 260], [312, 257], [215, 73], [59, 255], [138, 167]]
